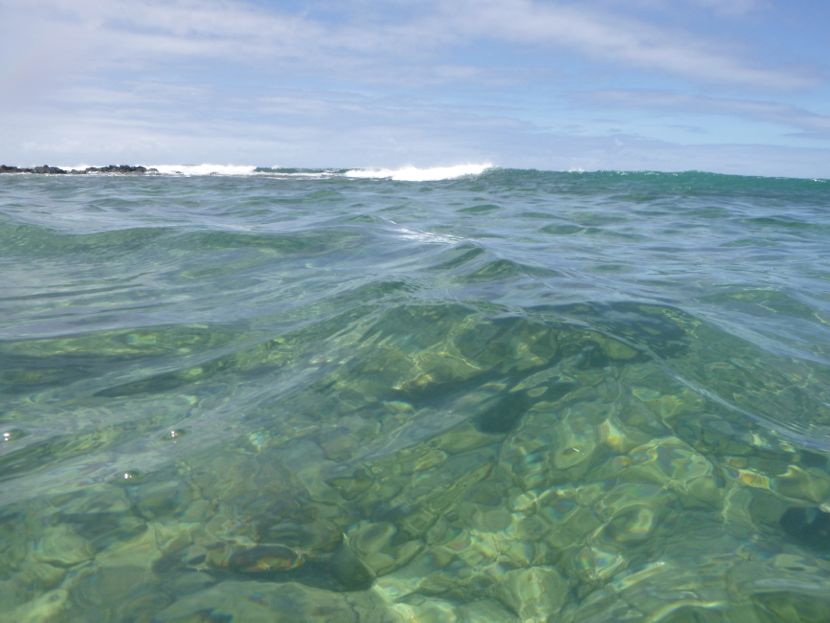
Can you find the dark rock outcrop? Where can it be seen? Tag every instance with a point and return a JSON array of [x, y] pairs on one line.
[[119, 168], [47, 169], [110, 168]]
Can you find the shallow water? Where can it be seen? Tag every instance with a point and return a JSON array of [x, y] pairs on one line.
[[516, 396]]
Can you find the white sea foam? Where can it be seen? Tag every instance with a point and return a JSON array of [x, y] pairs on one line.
[[308, 175], [416, 174], [204, 169], [74, 167], [406, 174]]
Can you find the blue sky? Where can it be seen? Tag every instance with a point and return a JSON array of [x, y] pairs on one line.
[[738, 86]]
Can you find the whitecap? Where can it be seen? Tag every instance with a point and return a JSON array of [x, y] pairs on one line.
[[74, 167], [417, 174], [204, 169], [302, 175]]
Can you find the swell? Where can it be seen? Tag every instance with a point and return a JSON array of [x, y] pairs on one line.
[[28, 240], [64, 283], [366, 353], [25, 240], [295, 323]]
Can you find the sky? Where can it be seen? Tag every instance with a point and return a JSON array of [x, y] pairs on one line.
[[731, 86]]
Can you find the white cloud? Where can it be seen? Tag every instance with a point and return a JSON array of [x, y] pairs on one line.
[[811, 123], [121, 31], [732, 7], [725, 8], [616, 39], [346, 137], [361, 83]]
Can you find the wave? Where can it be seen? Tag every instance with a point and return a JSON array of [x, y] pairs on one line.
[[404, 174], [431, 174], [416, 174], [204, 169], [407, 233]]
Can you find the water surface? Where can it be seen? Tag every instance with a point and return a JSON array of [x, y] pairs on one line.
[[513, 396]]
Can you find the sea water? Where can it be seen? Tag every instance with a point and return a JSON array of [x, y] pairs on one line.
[[471, 394]]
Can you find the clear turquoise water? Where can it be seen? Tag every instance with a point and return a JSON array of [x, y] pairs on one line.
[[518, 396]]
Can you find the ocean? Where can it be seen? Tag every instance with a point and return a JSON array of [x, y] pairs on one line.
[[435, 395]]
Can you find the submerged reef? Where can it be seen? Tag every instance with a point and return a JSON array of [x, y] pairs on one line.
[[442, 464]]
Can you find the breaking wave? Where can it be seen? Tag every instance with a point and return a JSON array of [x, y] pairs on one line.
[[403, 174], [204, 169], [416, 174]]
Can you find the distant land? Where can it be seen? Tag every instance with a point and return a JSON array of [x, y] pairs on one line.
[[46, 169]]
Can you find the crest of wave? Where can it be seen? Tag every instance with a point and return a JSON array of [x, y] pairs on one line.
[[204, 169], [426, 174]]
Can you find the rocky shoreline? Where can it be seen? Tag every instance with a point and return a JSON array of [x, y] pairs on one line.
[[50, 170]]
